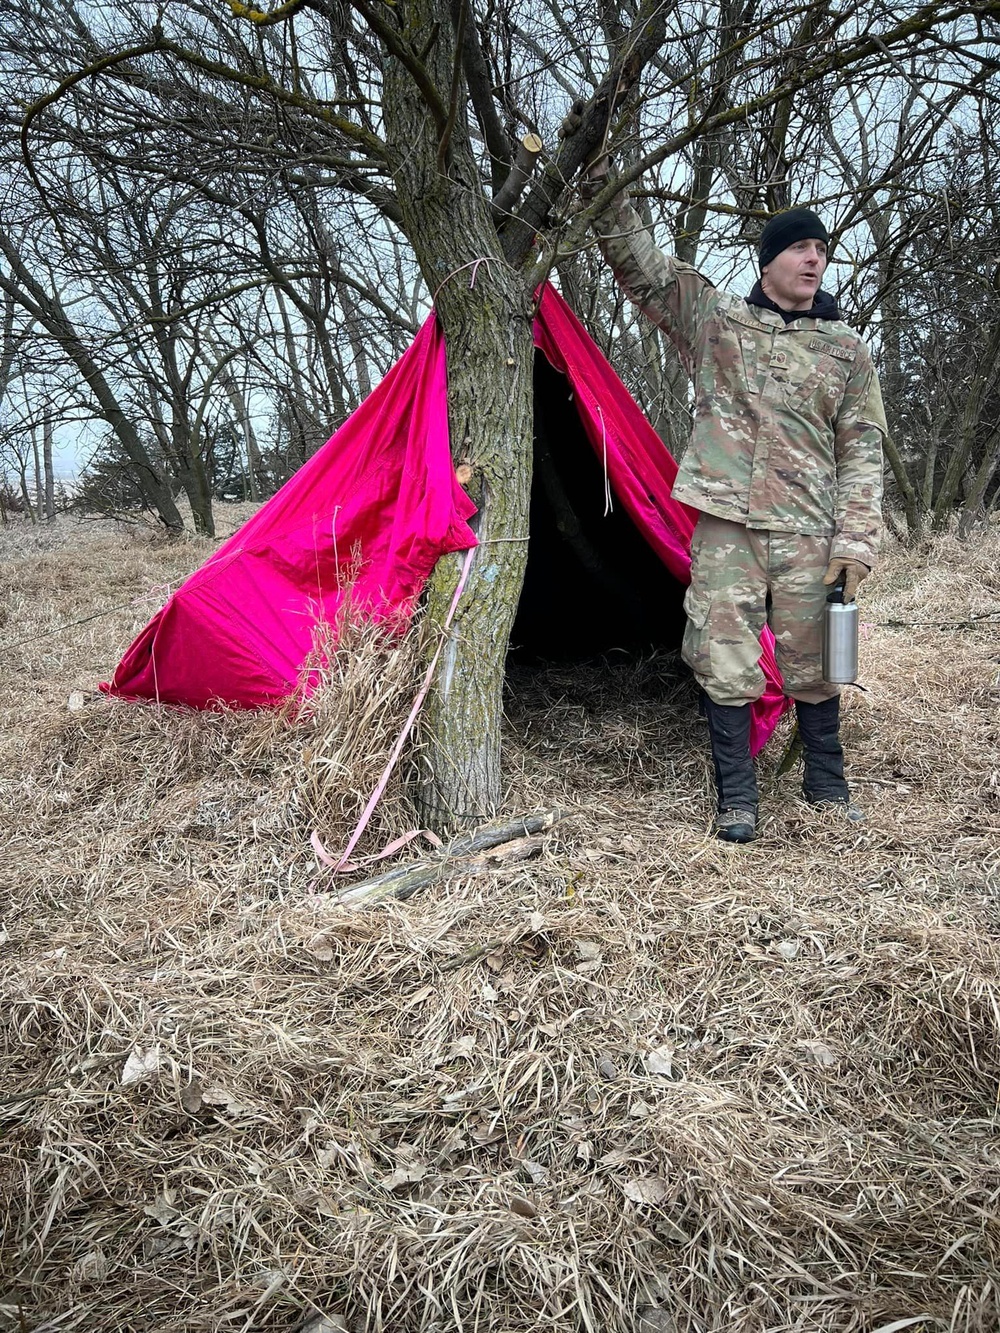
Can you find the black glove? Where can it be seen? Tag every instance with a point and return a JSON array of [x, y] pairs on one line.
[[595, 175], [572, 122]]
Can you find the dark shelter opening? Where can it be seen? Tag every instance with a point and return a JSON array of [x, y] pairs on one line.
[[593, 586]]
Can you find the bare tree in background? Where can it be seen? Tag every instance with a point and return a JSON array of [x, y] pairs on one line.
[[30, 405]]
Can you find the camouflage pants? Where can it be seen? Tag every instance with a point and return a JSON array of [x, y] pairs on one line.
[[742, 578]]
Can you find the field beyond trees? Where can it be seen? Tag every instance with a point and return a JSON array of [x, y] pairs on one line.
[[644, 1082]]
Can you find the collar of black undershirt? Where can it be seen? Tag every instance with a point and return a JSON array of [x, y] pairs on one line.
[[824, 306]]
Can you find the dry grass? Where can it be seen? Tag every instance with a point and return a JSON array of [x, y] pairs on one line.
[[688, 1087]]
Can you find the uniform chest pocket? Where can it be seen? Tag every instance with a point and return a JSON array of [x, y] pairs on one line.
[[739, 348], [814, 376]]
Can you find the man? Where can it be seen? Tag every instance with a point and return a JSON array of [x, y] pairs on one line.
[[785, 466]]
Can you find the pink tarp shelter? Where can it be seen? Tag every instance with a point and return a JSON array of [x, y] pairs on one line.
[[375, 508]]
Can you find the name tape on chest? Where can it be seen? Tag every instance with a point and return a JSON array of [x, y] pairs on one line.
[[747, 321], [832, 349]]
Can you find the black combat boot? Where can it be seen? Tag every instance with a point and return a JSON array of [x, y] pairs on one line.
[[735, 781], [823, 781]]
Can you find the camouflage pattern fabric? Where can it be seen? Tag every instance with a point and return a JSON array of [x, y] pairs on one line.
[[742, 578], [788, 419]]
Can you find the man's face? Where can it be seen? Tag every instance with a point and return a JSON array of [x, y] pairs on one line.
[[792, 278]]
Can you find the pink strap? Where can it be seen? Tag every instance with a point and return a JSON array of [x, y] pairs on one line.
[[343, 865], [324, 857]]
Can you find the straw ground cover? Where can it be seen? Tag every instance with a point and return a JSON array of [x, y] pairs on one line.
[[645, 1082]]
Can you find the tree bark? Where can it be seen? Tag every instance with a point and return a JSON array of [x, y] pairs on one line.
[[36, 458], [906, 491], [239, 405], [484, 310], [984, 378], [50, 484], [975, 507], [22, 477]]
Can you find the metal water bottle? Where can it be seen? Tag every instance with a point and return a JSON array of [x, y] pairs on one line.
[[840, 638]]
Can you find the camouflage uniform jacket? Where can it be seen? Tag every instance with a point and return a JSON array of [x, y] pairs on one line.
[[788, 419]]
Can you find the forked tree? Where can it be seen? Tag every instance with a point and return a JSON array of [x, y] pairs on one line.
[[431, 114]]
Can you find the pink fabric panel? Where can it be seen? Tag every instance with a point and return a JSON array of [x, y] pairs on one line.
[[377, 506], [639, 466]]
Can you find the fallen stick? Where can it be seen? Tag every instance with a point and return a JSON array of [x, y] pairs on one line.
[[511, 841], [472, 955], [461, 867], [101, 1062], [984, 618], [793, 752]]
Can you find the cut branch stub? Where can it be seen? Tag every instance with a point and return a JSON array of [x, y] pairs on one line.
[[645, 39], [528, 152]]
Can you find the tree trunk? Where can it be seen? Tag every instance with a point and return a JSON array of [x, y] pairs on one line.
[[484, 309], [975, 507], [984, 379], [907, 493], [22, 477], [490, 416], [239, 405], [194, 479], [36, 458], [891, 375], [183, 441], [50, 483], [930, 466]]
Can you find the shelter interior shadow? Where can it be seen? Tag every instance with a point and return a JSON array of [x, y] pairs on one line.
[[592, 586]]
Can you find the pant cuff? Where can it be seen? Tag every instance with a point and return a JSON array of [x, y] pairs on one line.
[[817, 695]]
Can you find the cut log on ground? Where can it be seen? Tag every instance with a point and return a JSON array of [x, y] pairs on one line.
[[514, 840]]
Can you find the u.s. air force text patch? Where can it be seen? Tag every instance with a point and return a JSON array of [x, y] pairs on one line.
[[832, 349]]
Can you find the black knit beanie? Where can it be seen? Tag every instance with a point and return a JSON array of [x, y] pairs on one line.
[[783, 230]]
